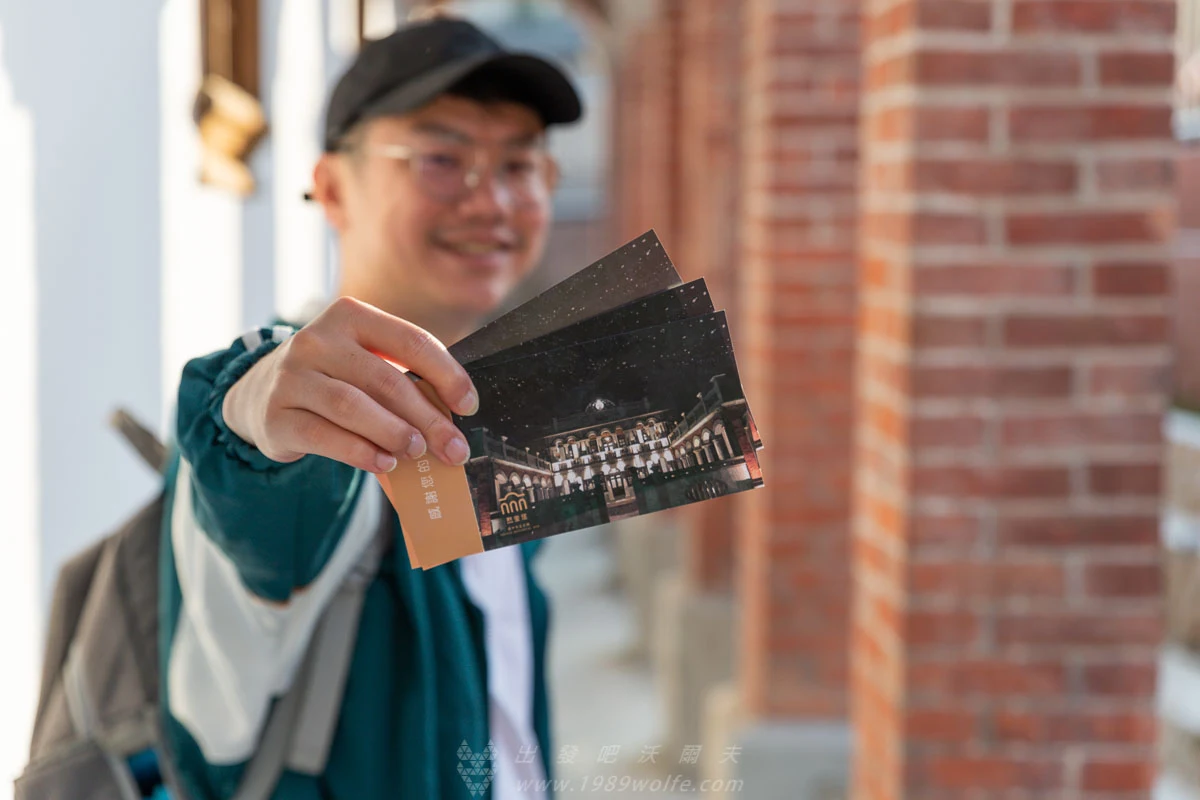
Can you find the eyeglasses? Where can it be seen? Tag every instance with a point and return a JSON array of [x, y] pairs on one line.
[[450, 173]]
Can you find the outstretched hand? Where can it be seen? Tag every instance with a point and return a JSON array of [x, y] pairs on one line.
[[330, 391]]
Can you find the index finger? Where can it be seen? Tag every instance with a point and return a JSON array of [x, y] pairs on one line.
[[420, 352]]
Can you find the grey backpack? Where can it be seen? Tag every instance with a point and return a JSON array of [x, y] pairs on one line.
[[98, 714]]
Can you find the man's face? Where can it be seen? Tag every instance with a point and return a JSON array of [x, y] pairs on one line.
[[457, 254]]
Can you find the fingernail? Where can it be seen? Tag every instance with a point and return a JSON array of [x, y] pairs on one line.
[[469, 404], [417, 447], [385, 462], [458, 452]]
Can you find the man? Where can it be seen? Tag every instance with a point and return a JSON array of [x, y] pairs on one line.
[[436, 179]]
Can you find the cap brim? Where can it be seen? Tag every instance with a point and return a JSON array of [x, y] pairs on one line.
[[545, 87]]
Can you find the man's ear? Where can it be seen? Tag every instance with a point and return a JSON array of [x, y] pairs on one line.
[[329, 189]]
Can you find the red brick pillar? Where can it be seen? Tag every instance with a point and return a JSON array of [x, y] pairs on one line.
[[695, 617], [649, 121], [648, 166], [710, 81], [796, 349], [1013, 315], [630, 165], [678, 107]]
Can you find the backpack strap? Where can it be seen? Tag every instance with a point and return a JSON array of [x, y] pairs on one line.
[[263, 771], [83, 714], [329, 659], [300, 729], [141, 438]]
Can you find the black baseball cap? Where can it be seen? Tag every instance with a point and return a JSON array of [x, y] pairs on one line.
[[420, 61]]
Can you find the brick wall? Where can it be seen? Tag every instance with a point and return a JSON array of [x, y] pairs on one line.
[[629, 173], [1186, 377], [1013, 341], [648, 163], [677, 104], [709, 57], [1179, 678], [796, 289]]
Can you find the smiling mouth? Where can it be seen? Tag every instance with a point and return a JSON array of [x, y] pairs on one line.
[[469, 249]]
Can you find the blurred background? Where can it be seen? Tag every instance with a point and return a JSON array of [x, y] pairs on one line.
[[959, 244]]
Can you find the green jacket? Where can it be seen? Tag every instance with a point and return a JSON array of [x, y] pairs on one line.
[[417, 687]]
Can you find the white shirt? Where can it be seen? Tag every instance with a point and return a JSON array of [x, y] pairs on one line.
[[495, 581]]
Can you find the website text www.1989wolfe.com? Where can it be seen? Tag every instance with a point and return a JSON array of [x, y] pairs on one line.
[[610, 784]]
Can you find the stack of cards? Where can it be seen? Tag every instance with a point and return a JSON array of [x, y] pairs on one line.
[[614, 393]]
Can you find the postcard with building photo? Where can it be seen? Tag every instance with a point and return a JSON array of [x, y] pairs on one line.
[[631, 272], [608, 429], [689, 300]]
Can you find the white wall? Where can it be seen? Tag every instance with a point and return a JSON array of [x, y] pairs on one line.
[[79, 274], [116, 266], [19, 471], [296, 103], [202, 227], [88, 77]]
